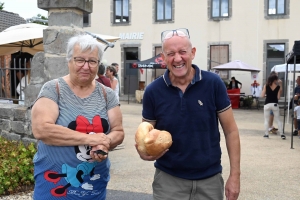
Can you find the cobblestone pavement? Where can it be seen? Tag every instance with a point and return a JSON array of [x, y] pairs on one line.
[[270, 167]]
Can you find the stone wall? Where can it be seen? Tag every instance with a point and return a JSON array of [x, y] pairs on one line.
[[65, 19], [15, 123]]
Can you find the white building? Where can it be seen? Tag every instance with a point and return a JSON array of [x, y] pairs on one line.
[[257, 32]]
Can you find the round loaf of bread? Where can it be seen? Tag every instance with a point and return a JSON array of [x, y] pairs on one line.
[[140, 135], [152, 141], [157, 141]]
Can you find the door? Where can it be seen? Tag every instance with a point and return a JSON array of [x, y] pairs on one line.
[[270, 65], [276, 56], [131, 83]]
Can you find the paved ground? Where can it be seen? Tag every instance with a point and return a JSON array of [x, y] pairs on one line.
[[270, 167]]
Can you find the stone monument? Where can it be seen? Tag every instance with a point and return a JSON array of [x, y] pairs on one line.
[[65, 19]]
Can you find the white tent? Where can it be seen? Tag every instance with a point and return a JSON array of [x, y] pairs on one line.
[[282, 68], [290, 68], [236, 65]]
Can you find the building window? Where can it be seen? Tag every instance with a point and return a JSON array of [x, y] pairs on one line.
[[219, 54], [219, 8], [121, 11], [163, 10], [86, 20], [158, 50], [276, 7]]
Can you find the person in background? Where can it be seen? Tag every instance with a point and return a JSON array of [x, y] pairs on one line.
[[101, 78], [25, 80], [295, 101], [272, 92], [297, 114], [272, 129], [110, 74], [116, 65], [189, 103], [234, 84], [21, 64], [76, 121]]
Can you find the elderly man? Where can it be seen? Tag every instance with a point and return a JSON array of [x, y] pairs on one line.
[[189, 103]]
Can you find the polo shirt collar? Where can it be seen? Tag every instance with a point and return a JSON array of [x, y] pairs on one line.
[[196, 78]]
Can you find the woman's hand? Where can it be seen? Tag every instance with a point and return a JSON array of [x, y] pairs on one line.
[[99, 153], [99, 139]]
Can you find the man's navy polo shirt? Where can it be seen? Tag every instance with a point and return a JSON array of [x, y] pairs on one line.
[[297, 89], [191, 118]]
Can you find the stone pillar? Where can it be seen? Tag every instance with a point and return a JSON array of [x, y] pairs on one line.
[[65, 19]]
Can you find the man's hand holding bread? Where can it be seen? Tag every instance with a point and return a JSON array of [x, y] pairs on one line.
[[151, 143]]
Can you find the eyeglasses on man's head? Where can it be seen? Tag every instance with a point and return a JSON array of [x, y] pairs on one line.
[[79, 62], [182, 32]]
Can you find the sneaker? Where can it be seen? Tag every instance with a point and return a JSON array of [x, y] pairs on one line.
[[282, 137], [266, 136], [295, 133]]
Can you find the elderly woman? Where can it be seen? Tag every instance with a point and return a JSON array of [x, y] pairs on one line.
[[77, 121], [272, 91]]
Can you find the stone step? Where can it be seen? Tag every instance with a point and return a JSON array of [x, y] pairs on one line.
[[130, 98]]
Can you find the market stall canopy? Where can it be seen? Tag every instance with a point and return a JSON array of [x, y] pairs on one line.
[[282, 68], [237, 65], [155, 62], [29, 38]]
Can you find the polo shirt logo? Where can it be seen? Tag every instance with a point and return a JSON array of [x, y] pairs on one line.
[[200, 103]]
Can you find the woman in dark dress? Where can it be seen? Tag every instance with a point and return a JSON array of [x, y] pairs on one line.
[[272, 92]]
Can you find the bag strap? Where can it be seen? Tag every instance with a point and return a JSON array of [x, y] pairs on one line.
[[57, 89], [104, 94]]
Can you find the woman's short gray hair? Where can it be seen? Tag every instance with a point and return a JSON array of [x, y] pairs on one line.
[[85, 42]]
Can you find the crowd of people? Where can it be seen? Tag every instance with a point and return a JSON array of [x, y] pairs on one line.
[[82, 123]]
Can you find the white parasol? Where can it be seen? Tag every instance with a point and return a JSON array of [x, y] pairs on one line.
[[236, 65], [29, 38]]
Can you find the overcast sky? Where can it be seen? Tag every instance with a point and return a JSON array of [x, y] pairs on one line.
[[25, 8]]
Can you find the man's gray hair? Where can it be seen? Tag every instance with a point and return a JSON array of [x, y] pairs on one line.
[[188, 39], [86, 43]]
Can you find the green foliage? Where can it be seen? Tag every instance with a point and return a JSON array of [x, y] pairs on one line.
[[1, 6], [16, 166], [248, 101], [39, 19]]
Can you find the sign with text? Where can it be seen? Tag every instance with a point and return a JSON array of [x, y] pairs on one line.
[[155, 63], [132, 36]]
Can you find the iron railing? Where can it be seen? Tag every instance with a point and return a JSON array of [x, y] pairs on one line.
[[13, 81]]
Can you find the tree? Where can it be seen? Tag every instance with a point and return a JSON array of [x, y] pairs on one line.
[[39, 19], [1, 6]]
